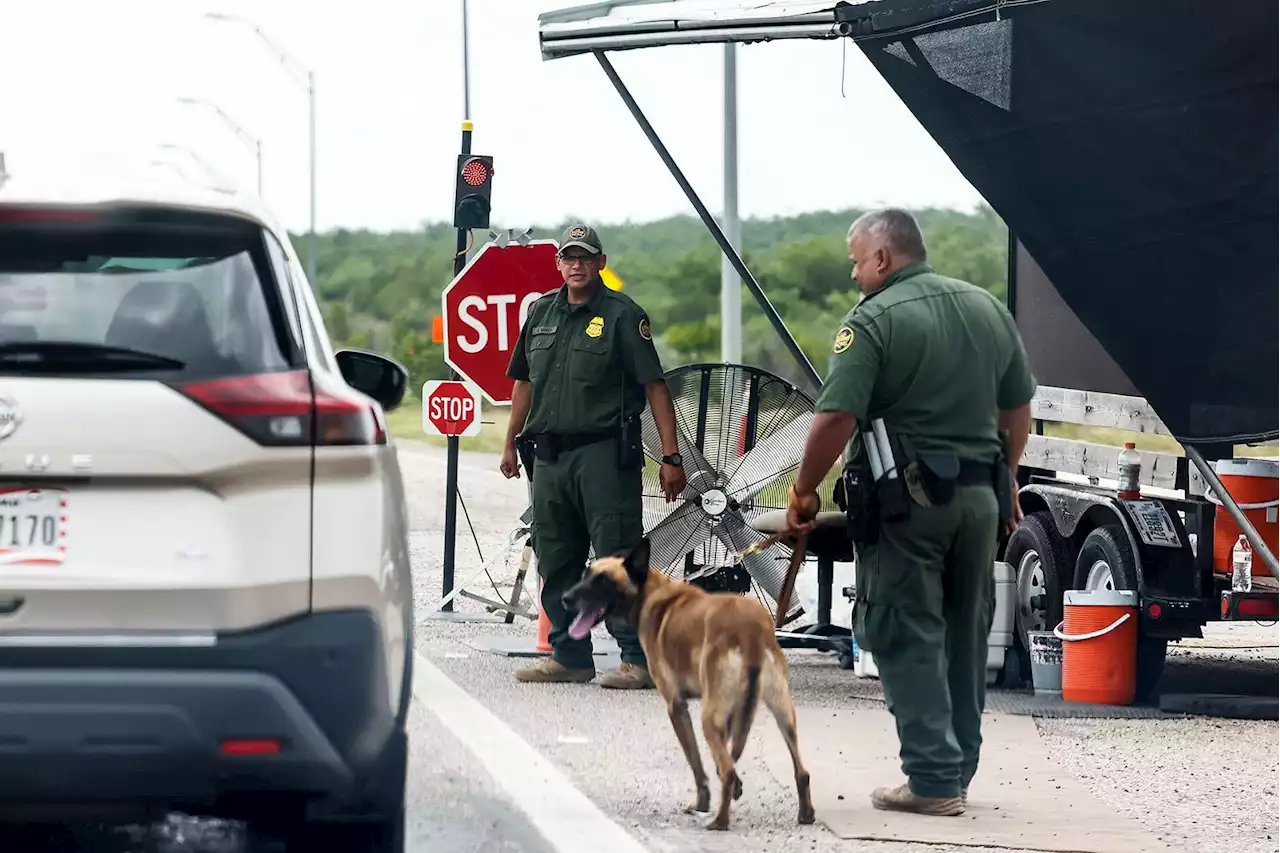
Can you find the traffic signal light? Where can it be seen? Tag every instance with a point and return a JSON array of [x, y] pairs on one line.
[[471, 193]]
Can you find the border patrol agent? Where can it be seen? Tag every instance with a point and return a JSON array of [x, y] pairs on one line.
[[942, 363], [584, 366]]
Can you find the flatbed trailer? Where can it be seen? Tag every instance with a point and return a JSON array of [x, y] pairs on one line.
[[1078, 534]]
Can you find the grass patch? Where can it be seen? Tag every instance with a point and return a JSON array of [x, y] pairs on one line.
[[1142, 440], [406, 422]]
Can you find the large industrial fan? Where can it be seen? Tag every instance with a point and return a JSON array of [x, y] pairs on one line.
[[741, 431]]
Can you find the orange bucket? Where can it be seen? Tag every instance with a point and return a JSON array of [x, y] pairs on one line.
[[1255, 485], [1099, 634]]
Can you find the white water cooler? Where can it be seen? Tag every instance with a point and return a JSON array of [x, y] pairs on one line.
[[1000, 638]]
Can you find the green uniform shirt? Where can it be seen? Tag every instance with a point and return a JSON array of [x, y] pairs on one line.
[[935, 357], [585, 362]]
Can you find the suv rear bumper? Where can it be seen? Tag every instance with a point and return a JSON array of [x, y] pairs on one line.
[[104, 726]]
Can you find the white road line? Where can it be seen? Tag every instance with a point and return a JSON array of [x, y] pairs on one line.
[[567, 819]]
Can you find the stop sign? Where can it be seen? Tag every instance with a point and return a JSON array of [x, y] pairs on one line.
[[450, 408], [485, 307]]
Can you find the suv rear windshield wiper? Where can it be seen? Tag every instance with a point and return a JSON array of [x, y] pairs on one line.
[[62, 356]]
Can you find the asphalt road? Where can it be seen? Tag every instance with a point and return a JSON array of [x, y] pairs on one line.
[[500, 766]]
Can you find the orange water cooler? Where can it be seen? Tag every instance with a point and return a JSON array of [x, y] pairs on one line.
[[1254, 484]]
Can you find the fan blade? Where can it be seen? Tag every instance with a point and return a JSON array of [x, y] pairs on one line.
[[764, 567], [699, 475], [773, 457], [677, 535]]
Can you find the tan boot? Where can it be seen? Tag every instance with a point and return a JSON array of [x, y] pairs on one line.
[[901, 799], [629, 676], [549, 670]]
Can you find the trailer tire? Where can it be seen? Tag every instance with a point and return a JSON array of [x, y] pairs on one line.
[[1108, 546], [1038, 555]]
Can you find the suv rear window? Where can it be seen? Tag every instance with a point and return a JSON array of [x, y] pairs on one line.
[[197, 291]]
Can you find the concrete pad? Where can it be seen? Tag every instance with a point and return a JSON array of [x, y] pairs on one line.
[[1018, 800]]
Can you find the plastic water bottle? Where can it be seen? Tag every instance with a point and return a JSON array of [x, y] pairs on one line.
[[1130, 471], [1242, 565]]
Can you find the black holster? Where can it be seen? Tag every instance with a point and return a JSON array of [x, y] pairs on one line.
[[525, 447], [891, 492], [855, 493], [630, 444]]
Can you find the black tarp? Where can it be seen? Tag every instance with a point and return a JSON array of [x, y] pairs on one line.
[[1132, 146]]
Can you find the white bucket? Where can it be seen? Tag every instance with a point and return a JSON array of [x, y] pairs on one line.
[[1046, 662]]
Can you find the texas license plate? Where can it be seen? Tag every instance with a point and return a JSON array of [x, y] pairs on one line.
[[1154, 525], [33, 525]]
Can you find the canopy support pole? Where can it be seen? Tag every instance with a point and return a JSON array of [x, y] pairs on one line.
[[750, 280], [1260, 548]]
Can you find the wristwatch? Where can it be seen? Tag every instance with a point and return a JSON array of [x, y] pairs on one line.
[[673, 459]]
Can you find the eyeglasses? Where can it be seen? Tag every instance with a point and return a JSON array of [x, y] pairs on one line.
[[573, 259]]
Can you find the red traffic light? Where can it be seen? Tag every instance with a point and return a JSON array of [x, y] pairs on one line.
[[475, 172]]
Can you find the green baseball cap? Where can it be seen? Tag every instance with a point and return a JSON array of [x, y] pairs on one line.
[[582, 236]]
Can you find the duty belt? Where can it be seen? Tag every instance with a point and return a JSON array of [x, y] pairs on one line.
[[548, 446], [975, 473]]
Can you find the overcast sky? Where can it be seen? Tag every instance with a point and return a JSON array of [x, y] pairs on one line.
[[87, 82]]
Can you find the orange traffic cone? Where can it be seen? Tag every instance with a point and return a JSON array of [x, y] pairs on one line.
[[544, 625]]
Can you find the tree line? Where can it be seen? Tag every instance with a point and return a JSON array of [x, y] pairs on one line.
[[381, 290]]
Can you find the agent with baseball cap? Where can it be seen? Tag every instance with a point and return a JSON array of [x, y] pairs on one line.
[[584, 367]]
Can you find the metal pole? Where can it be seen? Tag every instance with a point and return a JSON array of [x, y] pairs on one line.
[[730, 283], [451, 453], [311, 120], [1237, 515], [707, 219], [466, 69]]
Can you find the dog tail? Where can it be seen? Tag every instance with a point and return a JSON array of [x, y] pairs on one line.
[[740, 722]]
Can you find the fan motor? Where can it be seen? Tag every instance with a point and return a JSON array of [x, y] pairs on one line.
[[728, 579]]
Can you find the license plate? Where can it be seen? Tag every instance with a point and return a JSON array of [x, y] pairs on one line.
[[33, 525], [1154, 525]]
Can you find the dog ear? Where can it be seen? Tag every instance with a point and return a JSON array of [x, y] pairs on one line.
[[637, 562]]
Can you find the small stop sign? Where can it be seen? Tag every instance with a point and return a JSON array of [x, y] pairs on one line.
[[450, 408]]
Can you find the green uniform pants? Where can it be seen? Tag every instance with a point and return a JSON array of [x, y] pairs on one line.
[[580, 501], [925, 602]]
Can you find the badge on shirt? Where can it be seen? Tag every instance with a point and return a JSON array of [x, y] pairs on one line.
[[596, 327], [644, 329], [844, 340]]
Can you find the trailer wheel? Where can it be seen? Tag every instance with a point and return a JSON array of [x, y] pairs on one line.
[[1106, 561], [1042, 567]]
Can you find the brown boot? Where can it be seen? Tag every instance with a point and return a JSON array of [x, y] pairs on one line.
[[901, 799], [629, 676], [550, 670]]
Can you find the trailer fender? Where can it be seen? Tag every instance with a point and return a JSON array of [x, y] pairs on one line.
[[1070, 506]]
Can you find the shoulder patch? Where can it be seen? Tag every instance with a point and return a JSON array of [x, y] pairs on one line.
[[844, 340], [644, 329]]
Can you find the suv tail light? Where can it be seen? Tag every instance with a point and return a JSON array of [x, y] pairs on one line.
[[281, 409]]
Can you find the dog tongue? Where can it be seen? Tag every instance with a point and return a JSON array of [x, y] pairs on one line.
[[583, 623]]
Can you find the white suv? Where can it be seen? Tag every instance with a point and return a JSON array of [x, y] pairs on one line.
[[205, 591]]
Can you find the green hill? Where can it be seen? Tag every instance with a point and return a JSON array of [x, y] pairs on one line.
[[381, 290]]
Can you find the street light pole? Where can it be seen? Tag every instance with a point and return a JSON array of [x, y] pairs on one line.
[[311, 143], [250, 141], [306, 78]]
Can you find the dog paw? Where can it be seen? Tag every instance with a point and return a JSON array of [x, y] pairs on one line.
[[806, 817], [737, 787], [701, 805], [718, 824]]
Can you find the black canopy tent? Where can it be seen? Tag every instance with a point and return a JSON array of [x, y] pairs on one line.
[[1131, 145]]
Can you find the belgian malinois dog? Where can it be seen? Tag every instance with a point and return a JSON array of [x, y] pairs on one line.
[[716, 647]]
